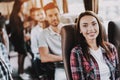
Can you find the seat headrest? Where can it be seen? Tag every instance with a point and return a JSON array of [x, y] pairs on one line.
[[114, 32]]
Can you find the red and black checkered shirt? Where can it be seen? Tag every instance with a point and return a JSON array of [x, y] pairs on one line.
[[82, 69]]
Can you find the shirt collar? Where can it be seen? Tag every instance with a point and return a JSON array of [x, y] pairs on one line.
[[53, 32]]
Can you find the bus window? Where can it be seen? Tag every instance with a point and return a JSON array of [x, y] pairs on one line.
[[109, 10], [6, 8], [46, 2], [75, 7]]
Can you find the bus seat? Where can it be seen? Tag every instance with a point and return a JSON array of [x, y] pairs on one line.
[[114, 34], [68, 18], [68, 41]]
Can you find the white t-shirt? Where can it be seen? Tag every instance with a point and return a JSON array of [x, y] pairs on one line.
[[103, 67], [35, 33], [51, 39]]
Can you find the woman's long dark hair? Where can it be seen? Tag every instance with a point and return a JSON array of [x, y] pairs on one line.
[[80, 39], [15, 23]]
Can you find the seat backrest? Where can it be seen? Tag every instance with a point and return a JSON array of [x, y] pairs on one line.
[[114, 34], [68, 41]]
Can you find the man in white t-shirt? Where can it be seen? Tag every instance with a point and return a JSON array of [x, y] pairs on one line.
[[50, 41]]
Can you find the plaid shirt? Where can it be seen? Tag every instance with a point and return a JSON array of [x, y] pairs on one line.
[[5, 68], [89, 70]]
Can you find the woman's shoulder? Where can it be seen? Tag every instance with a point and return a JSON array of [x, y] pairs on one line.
[[109, 45], [111, 48], [76, 48]]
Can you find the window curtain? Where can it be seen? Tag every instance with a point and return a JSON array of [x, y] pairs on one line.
[[91, 5], [65, 6], [41, 2]]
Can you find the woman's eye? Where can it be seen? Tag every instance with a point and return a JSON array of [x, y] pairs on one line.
[[84, 25], [94, 24]]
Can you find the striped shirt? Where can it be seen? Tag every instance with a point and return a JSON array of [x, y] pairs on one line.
[[5, 68]]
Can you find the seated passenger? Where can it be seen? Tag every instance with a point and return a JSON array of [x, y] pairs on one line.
[[92, 58], [27, 35], [38, 17], [50, 42]]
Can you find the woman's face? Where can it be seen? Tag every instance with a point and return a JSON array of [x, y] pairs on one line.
[[38, 15], [89, 27]]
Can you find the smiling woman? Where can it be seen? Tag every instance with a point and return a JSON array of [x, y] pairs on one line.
[[91, 58]]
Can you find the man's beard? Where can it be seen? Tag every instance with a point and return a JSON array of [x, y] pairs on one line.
[[55, 24]]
